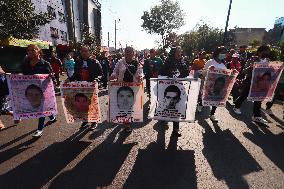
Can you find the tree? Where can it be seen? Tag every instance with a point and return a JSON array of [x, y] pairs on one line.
[[273, 36], [204, 37], [163, 19], [19, 20], [254, 43]]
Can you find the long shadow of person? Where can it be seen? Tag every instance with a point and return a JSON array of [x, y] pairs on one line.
[[41, 168], [99, 167], [157, 167], [227, 157], [271, 144]]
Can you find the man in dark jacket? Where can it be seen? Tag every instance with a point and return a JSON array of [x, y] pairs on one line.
[[86, 69]]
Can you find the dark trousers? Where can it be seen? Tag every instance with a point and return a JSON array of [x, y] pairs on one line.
[[148, 85], [105, 80], [175, 125], [214, 108], [243, 97], [270, 104], [41, 122]]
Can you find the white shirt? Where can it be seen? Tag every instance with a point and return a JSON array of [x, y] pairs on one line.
[[214, 63]]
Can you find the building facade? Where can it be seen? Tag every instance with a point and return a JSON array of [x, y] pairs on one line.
[[83, 16], [244, 36], [56, 31]]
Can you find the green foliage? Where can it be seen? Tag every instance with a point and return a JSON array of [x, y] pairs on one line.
[[163, 19], [273, 36], [204, 37], [19, 20], [254, 43]]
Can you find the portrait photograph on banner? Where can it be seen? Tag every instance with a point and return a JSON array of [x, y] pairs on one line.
[[81, 102], [32, 96], [174, 99], [125, 102], [217, 86], [265, 78]]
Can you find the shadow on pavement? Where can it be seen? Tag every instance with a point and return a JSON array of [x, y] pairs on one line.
[[227, 157], [41, 168], [157, 167], [271, 144], [99, 167]]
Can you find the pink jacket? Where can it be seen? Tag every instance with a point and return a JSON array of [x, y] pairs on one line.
[[120, 69]]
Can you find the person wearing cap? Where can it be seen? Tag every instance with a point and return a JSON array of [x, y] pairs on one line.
[[235, 62]]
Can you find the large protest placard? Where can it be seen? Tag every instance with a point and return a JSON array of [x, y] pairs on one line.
[[265, 77], [217, 86], [125, 102], [81, 102], [174, 99], [32, 96]]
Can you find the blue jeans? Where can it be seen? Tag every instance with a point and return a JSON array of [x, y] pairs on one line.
[[41, 122]]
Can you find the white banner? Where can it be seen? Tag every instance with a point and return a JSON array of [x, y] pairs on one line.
[[174, 99], [125, 102]]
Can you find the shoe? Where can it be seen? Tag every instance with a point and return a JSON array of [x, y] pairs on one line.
[[84, 125], [128, 129], [199, 108], [37, 134], [94, 126], [214, 119], [259, 120], [176, 133], [52, 120], [237, 111], [268, 111]]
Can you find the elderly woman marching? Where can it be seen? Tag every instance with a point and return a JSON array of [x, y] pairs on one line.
[[128, 69]]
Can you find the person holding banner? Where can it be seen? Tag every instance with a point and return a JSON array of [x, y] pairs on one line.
[[127, 69], [217, 61], [86, 69], [174, 67], [34, 64], [152, 68], [263, 53]]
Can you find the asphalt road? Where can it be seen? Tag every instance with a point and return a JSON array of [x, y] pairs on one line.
[[235, 153]]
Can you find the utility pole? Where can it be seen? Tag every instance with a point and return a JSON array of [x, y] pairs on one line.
[[108, 39], [115, 35], [227, 22]]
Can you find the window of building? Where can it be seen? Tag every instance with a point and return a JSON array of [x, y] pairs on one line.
[[54, 32], [61, 17], [51, 12]]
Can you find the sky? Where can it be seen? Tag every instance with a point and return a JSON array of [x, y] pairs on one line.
[[244, 13]]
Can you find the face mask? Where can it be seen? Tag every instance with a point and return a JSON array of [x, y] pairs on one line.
[[221, 56]]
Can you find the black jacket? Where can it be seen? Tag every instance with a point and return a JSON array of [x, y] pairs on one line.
[[170, 67], [42, 67], [94, 69]]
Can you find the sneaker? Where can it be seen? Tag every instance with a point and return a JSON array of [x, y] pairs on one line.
[[37, 134], [199, 108], [176, 133], [53, 120], [94, 126], [237, 111], [214, 119], [259, 120], [84, 125], [268, 111]]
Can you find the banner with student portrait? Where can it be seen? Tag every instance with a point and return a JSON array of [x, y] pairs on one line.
[[265, 77], [125, 102], [217, 86], [81, 102], [32, 96], [174, 99]]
